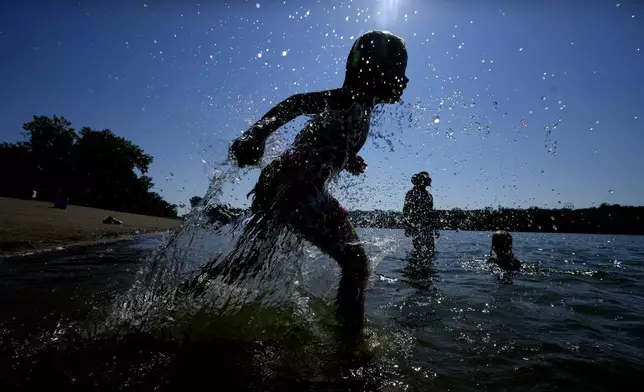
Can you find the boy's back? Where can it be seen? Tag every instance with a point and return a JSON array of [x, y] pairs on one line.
[[336, 134]]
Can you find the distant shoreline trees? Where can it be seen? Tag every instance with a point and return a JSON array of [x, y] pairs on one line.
[[605, 219], [92, 168]]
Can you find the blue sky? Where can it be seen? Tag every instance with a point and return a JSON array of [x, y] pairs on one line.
[[505, 80]]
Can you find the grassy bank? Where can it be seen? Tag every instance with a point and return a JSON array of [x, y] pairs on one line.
[[27, 225]]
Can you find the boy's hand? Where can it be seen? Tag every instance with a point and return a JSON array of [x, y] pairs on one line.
[[356, 165], [247, 150]]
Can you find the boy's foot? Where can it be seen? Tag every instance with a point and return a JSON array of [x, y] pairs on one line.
[[354, 345]]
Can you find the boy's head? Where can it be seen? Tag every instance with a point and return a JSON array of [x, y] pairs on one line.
[[376, 66], [502, 242], [421, 179]]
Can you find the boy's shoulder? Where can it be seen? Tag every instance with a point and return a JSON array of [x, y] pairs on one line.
[[334, 99]]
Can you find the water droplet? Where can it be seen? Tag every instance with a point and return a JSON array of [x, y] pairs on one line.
[[617, 5], [155, 41], [436, 119], [520, 49], [284, 53], [257, 5], [259, 55], [524, 123], [611, 191]]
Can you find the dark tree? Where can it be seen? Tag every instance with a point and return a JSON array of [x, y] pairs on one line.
[[50, 141], [194, 201], [92, 168]]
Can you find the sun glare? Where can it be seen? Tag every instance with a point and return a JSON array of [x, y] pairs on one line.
[[387, 12]]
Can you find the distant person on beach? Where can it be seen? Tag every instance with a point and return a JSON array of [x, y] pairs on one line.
[[61, 200], [419, 216], [502, 248], [292, 191]]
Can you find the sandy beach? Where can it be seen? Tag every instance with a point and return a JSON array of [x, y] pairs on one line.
[[27, 225]]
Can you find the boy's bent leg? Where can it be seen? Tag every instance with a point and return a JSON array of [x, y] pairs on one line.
[[321, 220]]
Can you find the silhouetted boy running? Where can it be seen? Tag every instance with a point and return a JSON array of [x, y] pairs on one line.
[[292, 190]]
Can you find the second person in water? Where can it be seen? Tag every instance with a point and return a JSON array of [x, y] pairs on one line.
[[419, 217]]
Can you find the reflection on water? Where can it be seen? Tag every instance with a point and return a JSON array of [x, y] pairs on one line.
[[571, 319]]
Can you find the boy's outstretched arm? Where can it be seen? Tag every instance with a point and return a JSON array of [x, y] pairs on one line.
[[249, 148]]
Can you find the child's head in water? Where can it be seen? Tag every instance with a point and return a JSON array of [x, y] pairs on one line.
[[502, 246], [376, 66], [502, 243]]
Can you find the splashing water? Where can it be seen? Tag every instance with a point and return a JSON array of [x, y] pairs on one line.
[[227, 277], [216, 278]]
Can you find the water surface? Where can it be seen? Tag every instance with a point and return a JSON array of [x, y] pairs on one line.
[[572, 319]]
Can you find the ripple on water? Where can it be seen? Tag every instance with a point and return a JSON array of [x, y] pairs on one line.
[[449, 324]]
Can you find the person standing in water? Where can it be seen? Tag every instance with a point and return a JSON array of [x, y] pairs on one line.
[[419, 216], [292, 191], [502, 247]]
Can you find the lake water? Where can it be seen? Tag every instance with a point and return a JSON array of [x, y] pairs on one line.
[[573, 319]]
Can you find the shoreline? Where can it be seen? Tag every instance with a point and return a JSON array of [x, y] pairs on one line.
[[28, 227], [512, 231], [72, 245]]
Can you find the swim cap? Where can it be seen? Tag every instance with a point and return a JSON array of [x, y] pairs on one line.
[[376, 55], [421, 179]]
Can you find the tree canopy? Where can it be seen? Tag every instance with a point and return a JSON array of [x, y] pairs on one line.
[[93, 168], [194, 201]]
